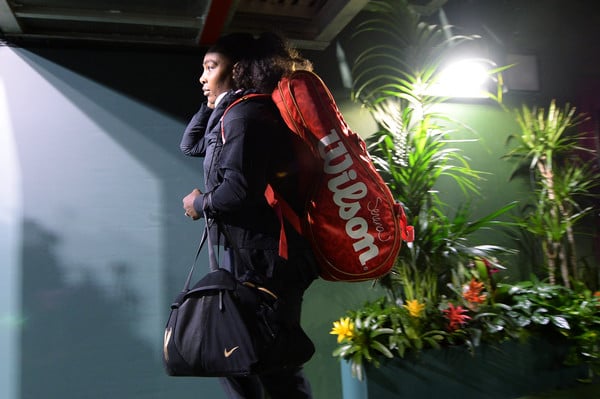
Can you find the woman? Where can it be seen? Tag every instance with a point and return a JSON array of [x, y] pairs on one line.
[[258, 150]]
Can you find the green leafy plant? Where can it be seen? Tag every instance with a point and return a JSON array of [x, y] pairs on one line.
[[443, 290], [472, 315], [549, 150], [559, 313], [413, 148]]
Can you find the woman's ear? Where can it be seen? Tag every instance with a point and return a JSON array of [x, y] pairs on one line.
[[235, 75], [235, 69]]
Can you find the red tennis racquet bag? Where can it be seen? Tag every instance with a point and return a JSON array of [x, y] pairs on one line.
[[354, 224]]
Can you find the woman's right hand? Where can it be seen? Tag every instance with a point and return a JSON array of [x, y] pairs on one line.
[[188, 204]]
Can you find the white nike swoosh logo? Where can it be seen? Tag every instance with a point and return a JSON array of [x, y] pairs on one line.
[[228, 353], [167, 338]]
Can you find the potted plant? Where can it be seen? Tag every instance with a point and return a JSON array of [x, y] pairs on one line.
[[547, 150], [413, 150], [443, 291], [536, 335]]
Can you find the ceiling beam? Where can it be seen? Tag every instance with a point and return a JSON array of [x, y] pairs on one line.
[[335, 16], [103, 39], [217, 16], [276, 9], [109, 16], [8, 22]]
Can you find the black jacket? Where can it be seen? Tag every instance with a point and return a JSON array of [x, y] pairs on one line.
[[258, 149]]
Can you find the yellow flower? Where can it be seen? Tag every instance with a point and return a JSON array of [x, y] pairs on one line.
[[343, 328], [415, 308]]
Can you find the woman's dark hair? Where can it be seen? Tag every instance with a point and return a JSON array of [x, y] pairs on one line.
[[234, 46], [269, 59]]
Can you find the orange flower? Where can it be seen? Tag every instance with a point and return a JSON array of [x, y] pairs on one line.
[[455, 316], [472, 292]]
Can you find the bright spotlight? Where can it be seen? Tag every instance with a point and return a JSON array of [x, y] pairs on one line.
[[468, 78]]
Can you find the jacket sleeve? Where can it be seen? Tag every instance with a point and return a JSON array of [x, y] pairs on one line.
[[192, 142]]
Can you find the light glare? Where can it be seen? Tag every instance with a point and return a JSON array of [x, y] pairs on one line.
[[467, 79]]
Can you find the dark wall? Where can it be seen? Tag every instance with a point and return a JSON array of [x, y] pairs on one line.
[[561, 35]]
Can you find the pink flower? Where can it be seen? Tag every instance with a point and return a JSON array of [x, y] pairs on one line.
[[490, 268]]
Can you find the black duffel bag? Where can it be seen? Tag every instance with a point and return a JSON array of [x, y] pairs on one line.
[[223, 327]]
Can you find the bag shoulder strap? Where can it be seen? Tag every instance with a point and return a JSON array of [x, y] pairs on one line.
[[212, 257], [275, 200], [284, 211], [239, 100], [188, 280]]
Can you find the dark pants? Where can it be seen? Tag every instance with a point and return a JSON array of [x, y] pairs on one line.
[[289, 280], [285, 384]]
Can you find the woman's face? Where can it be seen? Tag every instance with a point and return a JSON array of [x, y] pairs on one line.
[[216, 77]]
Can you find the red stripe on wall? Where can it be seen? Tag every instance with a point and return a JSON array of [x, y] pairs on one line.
[[215, 21]]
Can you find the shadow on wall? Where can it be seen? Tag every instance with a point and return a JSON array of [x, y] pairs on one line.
[[105, 243], [78, 341]]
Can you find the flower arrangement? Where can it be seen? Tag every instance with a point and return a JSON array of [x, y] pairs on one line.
[[475, 314], [443, 291]]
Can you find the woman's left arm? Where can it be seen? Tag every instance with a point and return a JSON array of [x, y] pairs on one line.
[[192, 142]]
